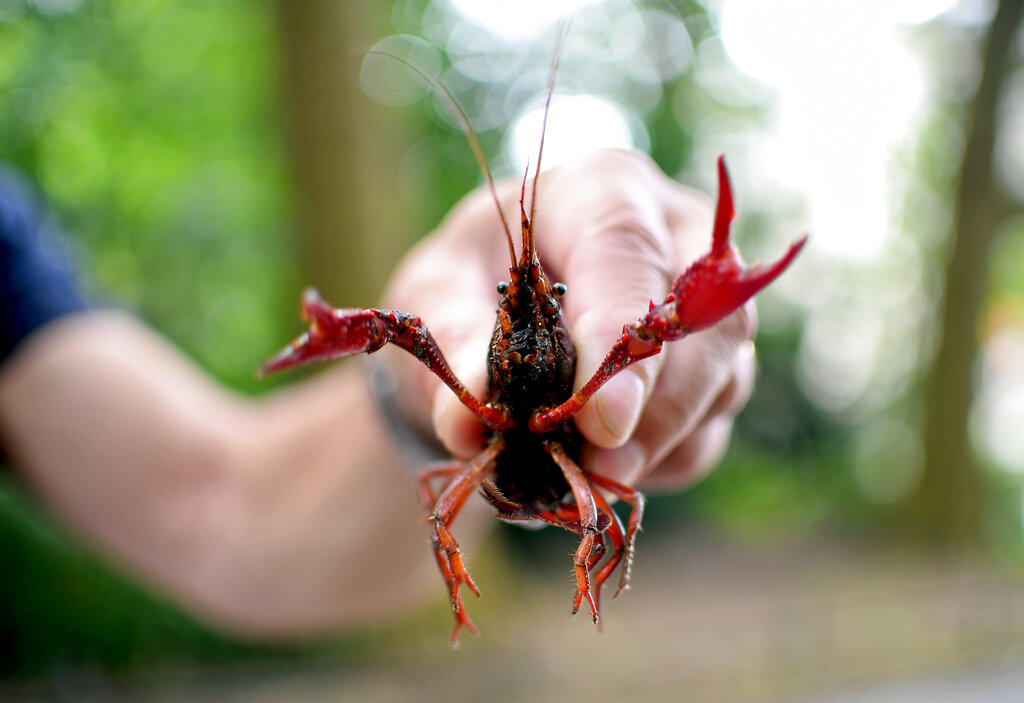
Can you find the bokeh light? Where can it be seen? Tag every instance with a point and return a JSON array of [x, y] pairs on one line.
[[847, 91], [998, 414], [515, 20], [617, 57], [577, 125]]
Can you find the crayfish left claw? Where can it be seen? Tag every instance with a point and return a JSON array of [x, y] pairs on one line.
[[717, 283]]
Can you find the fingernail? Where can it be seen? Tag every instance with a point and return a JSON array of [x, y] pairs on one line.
[[625, 464], [619, 405]]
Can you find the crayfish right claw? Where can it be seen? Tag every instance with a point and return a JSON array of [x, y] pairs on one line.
[[334, 333]]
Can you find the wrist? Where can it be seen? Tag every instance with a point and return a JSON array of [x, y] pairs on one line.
[[415, 446]]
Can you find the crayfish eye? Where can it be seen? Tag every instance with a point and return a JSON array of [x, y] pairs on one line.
[[503, 288], [559, 289]]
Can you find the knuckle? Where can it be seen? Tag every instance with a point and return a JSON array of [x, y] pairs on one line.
[[739, 326], [692, 459], [625, 222], [627, 162], [629, 241]]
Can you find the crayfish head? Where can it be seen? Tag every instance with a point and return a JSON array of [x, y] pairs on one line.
[[532, 360]]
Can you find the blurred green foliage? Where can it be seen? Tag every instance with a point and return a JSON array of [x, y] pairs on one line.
[[151, 126], [1008, 264], [62, 607]]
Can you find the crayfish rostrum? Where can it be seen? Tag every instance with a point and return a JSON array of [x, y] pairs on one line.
[[530, 469]]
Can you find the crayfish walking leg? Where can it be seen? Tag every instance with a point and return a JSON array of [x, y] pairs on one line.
[[467, 479], [589, 503], [337, 333], [584, 497], [624, 540]]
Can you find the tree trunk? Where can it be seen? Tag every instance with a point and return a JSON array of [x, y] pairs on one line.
[[345, 150], [947, 506]]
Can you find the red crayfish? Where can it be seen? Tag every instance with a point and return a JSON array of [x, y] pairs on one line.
[[530, 469]]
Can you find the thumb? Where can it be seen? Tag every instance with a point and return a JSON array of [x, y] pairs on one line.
[[620, 266], [617, 252], [458, 428]]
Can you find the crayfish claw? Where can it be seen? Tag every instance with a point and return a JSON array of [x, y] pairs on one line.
[[313, 307], [333, 333], [717, 283]]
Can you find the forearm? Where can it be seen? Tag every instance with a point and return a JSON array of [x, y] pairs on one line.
[[284, 516], [113, 429]]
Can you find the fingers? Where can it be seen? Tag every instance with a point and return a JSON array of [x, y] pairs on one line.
[[456, 426], [686, 424], [617, 255], [675, 410], [694, 458]]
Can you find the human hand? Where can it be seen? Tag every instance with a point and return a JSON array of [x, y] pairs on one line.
[[616, 231]]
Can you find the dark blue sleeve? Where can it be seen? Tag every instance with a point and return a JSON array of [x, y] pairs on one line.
[[36, 281]]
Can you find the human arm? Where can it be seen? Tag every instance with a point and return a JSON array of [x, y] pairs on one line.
[[282, 516]]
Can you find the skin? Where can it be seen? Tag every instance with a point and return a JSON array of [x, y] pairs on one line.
[[284, 516]]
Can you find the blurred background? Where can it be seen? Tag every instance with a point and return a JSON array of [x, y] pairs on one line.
[[864, 537]]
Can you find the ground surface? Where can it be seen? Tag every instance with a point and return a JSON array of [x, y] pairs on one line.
[[709, 618]]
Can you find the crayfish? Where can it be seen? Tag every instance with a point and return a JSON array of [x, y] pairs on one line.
[[530, 469]]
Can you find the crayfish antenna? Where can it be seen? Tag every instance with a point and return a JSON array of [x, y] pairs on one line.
[[467, 130], [529, 253], [552, 76]]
